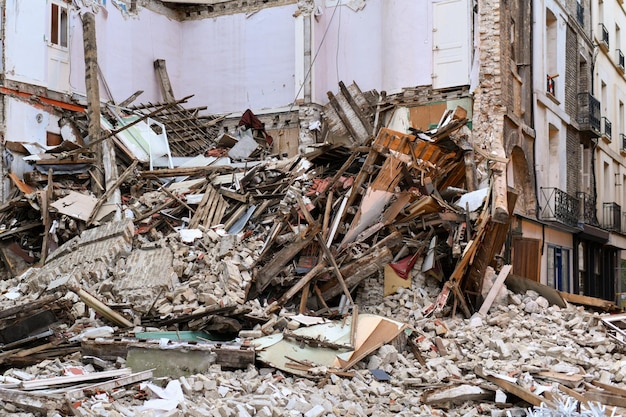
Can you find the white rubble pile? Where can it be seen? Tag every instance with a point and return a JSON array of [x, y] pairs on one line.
[[518, 339]]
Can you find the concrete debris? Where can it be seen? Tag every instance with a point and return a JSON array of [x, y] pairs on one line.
[[346, 280]]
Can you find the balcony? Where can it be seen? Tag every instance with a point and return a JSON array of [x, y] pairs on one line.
[[604, 38], [606, 129], [580, 14], [619, 59], [558, 206], [612, 217], [622, 143], [588, 208], [589, 113]]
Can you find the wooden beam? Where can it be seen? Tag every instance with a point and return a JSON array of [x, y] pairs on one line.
[[514, 389], [102, 308], [493, 292], [281, 258], [317, 270], [93, 92], [588, 301], [574, 394], [344, 119], [164, 80], [108, 385], [180, 172], [72, 379], [127, 173], [355, 107]]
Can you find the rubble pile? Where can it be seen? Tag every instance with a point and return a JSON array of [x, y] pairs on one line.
[[216, 279]]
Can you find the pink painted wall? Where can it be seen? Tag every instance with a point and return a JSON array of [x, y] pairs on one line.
[[127, 48], [234, 62], [385, 46]]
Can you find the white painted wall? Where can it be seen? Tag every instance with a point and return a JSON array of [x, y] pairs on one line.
[[238, 61], [25, 42], [127, 49], [613, 17], [27, 123], [385, 46], [25, 126]]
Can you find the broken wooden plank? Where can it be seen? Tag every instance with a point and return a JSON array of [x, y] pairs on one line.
[[568, 380], [358, 270], [610, 388], [490, 244], [493, 292], [271, 270], [355, 107], [46, 199], [574, 394], [72, 379], [102, 308], [606, 398], [182, 172], [589, 301], [514, 389], [108, 385], [302, 282]]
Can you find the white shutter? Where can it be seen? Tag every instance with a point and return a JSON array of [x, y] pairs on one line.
[[451, 43]]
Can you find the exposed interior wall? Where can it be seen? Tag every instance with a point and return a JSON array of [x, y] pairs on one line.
[[28, 123], [235, 62], [357, 48], [127, 48]]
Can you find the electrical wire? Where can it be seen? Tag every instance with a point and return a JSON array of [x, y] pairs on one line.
[[308, 73], [337, 52]]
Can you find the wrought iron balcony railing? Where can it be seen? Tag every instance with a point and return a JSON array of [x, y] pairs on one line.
[[558, 206], [612, 217], [606, 128], [588, 208], [589, 113]]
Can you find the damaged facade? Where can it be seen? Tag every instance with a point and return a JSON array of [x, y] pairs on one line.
[[323, 178], [560, 211]]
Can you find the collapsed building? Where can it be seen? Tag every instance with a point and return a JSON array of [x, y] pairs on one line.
[[155, 247]]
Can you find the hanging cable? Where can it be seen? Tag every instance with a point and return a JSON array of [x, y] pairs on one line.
[[308, 73]]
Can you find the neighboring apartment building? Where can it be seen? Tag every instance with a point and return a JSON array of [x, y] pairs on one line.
[[609, 158], [579, 121]]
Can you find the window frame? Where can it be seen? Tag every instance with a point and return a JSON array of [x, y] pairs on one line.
[[58, 31]]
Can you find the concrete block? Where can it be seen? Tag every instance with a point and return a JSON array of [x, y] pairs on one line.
[[316, 411]]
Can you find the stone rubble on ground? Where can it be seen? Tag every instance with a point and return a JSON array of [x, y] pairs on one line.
[[517, 338]]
